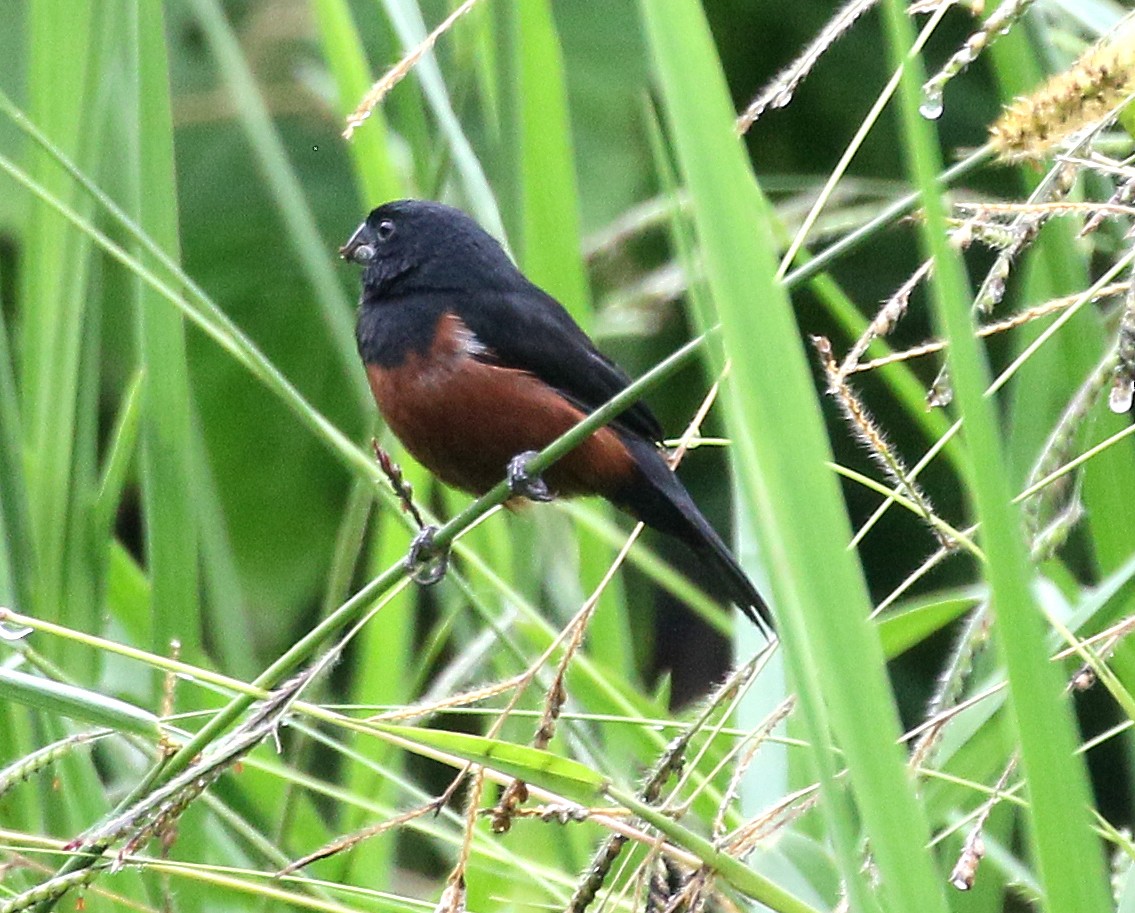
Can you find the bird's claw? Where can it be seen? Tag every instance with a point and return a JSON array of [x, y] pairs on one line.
[[426, 562], [523, 483]]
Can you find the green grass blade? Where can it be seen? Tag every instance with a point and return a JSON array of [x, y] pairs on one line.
[[563, 776], [227, 616], [55, 271], [550, 242], [1067, 851], [77, 703], [119, 457], [18, 546], [167, 452], [835, 658]]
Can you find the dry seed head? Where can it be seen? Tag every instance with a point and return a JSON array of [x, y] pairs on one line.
[[1090, 90]]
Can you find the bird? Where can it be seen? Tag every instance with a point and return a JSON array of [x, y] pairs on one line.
[[474, 369]]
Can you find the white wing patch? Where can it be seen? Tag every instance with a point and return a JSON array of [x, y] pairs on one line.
[[467, 341]]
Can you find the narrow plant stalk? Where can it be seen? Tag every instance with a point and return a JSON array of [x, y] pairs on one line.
[[883, 220], [885, 321], [998, 23], [871, 437], [400, 70], [778, 93]]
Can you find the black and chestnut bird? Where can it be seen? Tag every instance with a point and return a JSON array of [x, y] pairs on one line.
[[474, 369]]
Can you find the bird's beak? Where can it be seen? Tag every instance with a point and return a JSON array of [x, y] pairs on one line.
[[357, 240]]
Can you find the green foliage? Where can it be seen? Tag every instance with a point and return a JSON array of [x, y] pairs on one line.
[[215, 676]]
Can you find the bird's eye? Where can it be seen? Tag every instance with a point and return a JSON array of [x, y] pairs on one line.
[[384, 230]]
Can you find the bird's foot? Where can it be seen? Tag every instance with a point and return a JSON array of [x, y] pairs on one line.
[[426, 561], [523, 483]]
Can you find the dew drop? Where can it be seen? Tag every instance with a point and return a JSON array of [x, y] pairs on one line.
[[941, 393], [1122, 395], [931, 107]]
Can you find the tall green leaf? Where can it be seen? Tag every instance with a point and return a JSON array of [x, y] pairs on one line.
[[167, 451], [1071, 866], [781, 452]]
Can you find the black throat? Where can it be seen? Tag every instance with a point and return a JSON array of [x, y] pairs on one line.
[[390, 327]]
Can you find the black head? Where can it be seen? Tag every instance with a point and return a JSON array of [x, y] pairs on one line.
[[421, 244]]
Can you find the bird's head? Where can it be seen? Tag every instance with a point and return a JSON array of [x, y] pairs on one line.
[[421, 244]]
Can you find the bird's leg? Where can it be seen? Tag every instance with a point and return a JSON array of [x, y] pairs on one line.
[[523, 483], [426, 562]]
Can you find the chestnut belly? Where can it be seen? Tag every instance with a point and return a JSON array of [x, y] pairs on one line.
[[464, 419]]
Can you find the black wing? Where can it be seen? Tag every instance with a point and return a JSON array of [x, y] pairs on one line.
[[528, 329]]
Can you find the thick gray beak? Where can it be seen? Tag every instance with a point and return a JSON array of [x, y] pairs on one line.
[[355, 244]]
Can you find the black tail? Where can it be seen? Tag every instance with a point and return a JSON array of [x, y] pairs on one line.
[[659, 500]]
